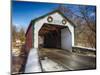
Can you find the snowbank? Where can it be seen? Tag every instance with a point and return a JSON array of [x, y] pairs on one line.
[[49, 65], [33, 64], [93, 49]]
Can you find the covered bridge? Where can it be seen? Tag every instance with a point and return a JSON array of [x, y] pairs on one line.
[[52, 30]]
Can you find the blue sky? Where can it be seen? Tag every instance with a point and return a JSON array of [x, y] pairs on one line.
[[24, 12]]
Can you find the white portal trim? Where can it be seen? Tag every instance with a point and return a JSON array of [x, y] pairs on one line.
[[57, 17]]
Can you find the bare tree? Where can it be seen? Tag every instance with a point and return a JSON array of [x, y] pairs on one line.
[[22, 34], [14, 32], [84, 10], [89, 24], [85, 31]]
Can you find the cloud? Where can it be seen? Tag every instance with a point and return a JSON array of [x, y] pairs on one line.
[[92, 14]]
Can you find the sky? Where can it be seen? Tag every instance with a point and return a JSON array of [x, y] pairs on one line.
[[24, 12]]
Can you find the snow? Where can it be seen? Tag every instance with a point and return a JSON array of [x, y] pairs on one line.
[[49, 65], [85, 48], [33, 64], [15, 52]]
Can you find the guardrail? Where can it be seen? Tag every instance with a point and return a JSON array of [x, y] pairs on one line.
[[84, 50]]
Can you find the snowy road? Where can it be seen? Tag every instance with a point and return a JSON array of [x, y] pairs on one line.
[[70, 60], [50, 65]]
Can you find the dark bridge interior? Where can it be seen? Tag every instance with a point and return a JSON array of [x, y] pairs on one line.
[[51, 36]]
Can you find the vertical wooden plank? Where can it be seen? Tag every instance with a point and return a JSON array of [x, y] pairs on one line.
[[33, 34]]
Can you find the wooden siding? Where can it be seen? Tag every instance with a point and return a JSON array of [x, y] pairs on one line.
[[29, 39]]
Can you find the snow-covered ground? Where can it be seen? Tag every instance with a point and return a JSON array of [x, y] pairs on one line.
[[93, 49], [49, 65], [15, 52], [33, 64]]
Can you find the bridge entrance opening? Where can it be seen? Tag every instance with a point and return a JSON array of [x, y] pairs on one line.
[[53, 36]]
